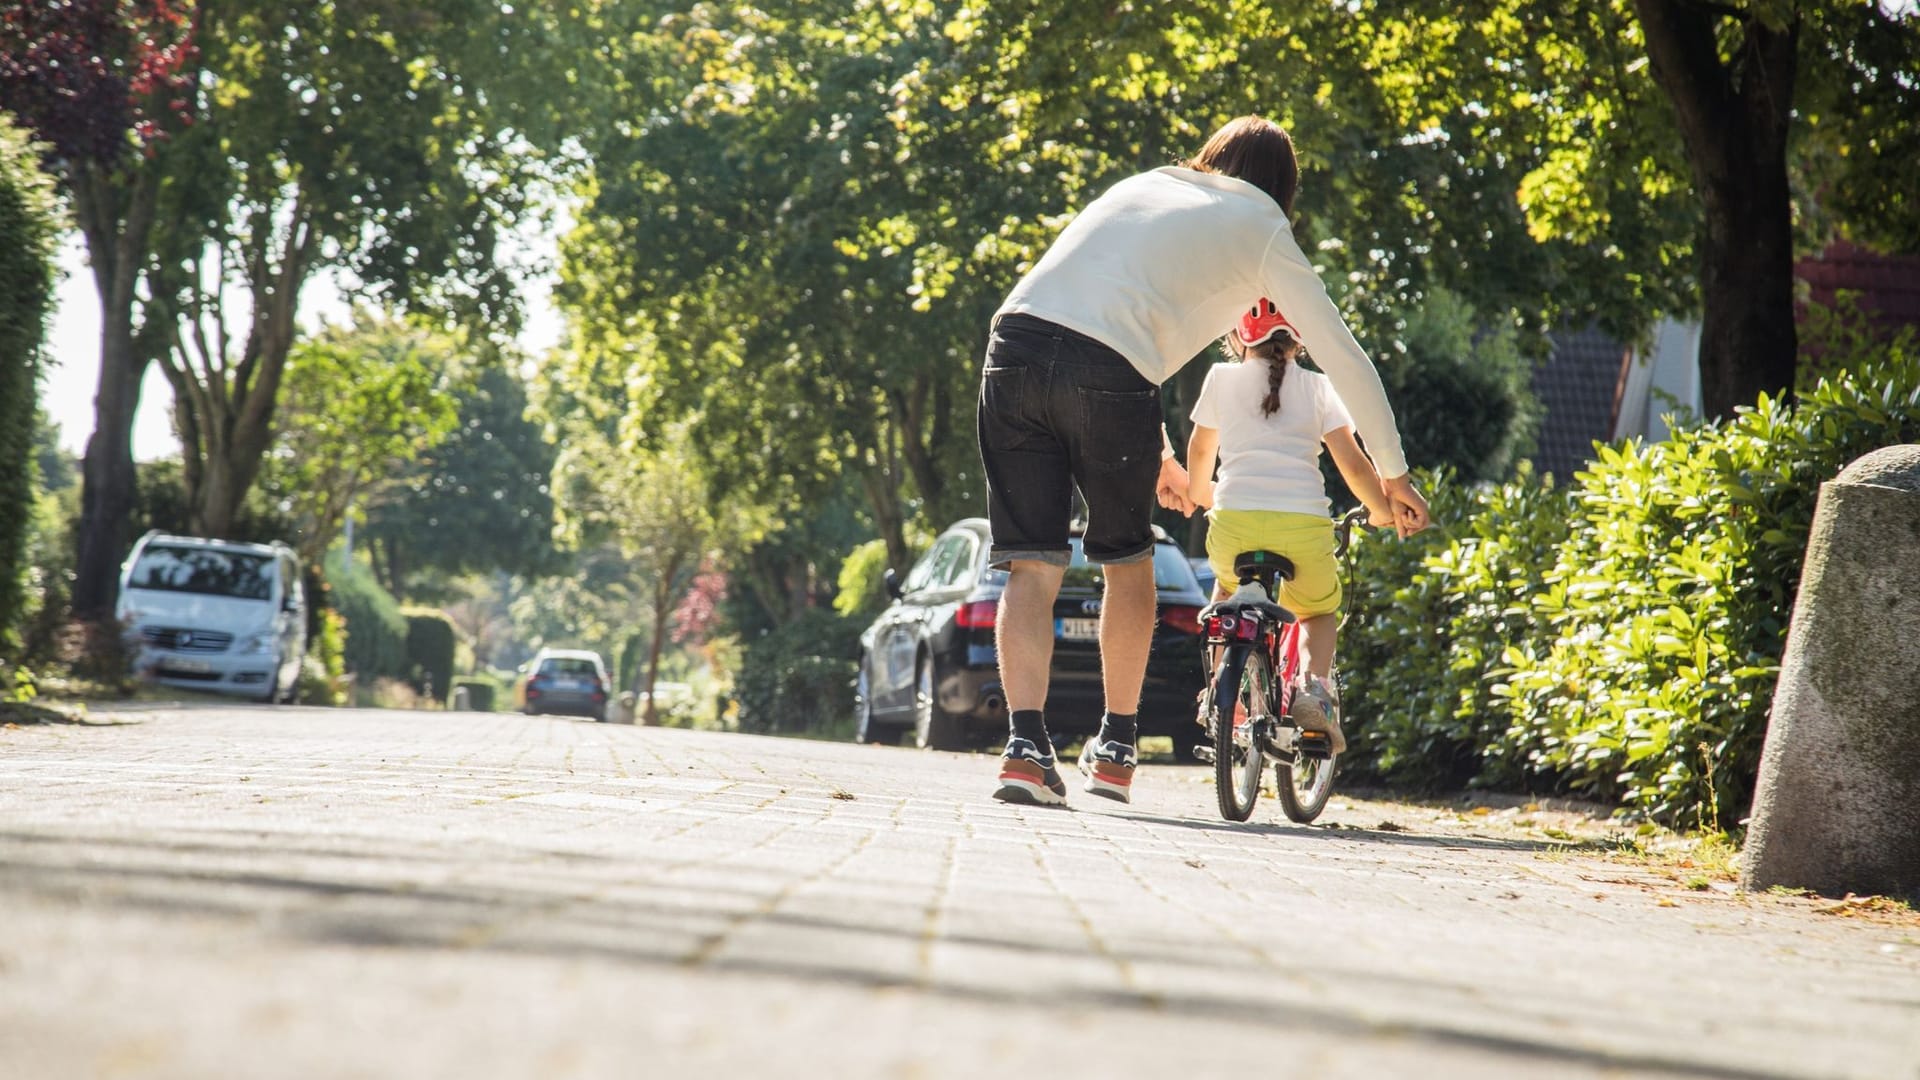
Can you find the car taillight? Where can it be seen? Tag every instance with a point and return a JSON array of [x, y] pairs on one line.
[[1181, 617], [977, 615]]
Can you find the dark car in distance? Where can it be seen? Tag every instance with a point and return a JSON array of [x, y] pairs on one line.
[[929, 671]]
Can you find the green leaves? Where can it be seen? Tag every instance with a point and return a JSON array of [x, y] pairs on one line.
[[1638, 618]]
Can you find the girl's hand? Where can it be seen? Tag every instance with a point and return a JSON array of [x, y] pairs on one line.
[[1380, 515]]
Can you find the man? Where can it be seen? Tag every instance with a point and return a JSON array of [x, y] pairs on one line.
[[1142, 280]]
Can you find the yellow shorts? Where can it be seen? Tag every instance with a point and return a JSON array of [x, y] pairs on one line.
[[1307, 539]]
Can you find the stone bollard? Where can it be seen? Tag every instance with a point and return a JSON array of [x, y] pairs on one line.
[[462, 700], [623, 708], [1837, 806]]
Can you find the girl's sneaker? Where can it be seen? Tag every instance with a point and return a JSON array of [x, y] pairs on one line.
[[1316, 708], [1109, 768], [1028, 776]]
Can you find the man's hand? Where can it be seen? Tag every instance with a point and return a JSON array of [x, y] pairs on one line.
[[1172, 488], [1409, 506]]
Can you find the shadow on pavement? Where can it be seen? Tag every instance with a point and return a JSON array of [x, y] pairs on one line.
[[580, 915]]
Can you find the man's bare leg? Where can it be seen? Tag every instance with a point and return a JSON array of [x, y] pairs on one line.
[[1023, 632], [1126, 634]]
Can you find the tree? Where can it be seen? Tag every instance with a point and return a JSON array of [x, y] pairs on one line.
[[1683, 138], [334, 135], [105, 83], [29, 223], [487, 483], [656, 509], [359, 405]]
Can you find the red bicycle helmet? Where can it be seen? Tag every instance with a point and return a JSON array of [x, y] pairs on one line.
[[1261, 322]]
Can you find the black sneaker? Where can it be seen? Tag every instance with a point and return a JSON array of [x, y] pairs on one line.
[[1027, 776], [1109, 768]]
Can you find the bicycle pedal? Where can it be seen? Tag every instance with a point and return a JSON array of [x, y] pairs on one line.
[[1315, 744], [1204, 752]]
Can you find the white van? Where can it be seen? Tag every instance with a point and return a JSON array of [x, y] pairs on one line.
[[215, 615]]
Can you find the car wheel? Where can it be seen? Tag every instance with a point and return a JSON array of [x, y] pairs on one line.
[[862, 707], [934, 728]]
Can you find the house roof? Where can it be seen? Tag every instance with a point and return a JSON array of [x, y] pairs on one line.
[[1579, 392], [1888, 286]]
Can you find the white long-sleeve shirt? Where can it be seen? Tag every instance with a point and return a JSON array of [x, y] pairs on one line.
[[1164, 263]]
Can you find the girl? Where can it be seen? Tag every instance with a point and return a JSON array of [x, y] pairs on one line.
[[1266, 418]]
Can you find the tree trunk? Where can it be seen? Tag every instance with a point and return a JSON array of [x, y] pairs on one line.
[[117, 238], [107, 488], [1733, 119], [660, 612]]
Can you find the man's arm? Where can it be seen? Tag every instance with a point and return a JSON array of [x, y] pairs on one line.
[[1292, 283]]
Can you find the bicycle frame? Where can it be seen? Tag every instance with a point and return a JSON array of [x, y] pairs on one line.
[[1250, 722]]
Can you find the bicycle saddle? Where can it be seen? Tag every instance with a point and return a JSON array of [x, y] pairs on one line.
[[1250, 565]]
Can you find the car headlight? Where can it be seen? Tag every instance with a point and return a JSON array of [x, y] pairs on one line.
[[256, 644]]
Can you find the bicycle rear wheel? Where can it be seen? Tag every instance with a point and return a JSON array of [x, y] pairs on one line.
[[1239, 693]]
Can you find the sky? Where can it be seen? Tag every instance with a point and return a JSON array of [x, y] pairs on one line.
[[73, 344]]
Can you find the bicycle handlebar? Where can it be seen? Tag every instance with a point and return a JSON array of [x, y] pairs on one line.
[[1343, 532]]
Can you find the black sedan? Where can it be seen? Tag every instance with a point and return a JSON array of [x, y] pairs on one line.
[[929, 670]]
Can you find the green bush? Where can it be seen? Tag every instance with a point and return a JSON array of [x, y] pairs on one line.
[[1621, 637], [323, 672], [376, 645], [430, 648], [799, 677], [1429, 617], [29, 222], [483, 694], [1669, 606]]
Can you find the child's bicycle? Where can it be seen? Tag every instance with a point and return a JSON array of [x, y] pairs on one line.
[[1246, 709]]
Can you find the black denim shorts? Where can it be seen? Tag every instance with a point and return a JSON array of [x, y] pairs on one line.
[[1059, 410]]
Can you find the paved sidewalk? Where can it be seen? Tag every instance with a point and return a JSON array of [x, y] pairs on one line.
[[297, 893]]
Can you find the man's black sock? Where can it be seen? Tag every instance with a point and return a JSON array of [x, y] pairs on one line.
[[1115, 727], [1031, 725]]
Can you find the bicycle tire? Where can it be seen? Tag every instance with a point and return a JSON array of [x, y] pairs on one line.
[[1305, 786], [1238, 764]]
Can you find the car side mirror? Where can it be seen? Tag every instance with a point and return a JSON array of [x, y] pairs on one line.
[[893, 584]]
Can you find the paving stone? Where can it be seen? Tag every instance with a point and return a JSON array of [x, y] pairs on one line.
[[319, 893]]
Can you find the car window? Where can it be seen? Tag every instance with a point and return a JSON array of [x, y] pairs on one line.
[[922, 571], [569, 667], [204, 570], [960, 570], [940, 568], [1171, 571]]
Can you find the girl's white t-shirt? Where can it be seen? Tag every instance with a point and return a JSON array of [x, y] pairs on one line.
[[1270, 462]]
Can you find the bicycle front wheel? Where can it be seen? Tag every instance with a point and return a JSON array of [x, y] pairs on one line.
[[1240, 692]]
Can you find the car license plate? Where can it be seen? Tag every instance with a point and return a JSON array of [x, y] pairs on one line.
[[1077, 629], [567, 684], [186, 667]]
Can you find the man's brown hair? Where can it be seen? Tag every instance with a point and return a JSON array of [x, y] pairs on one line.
[[1257, 150]]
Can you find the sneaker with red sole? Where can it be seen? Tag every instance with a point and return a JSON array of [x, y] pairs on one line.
[[1028, 776], [1109, 768]]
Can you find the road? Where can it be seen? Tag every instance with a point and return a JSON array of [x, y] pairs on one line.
[[317, 893]]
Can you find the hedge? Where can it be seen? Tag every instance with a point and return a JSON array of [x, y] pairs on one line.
[[29, 223], [1622, 637], [376, 632], [799, 678], [430, 648], [483, 694]]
